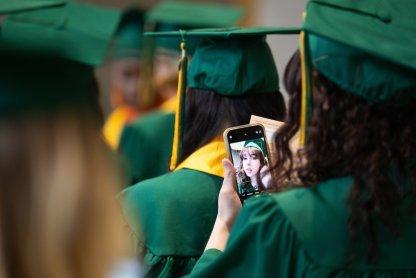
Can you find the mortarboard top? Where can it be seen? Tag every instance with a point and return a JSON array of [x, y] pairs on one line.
[[366, 47], [175, 15], [12, 6], [229, 61], [229, 32], [78, 32], [385, 29], [194, 14]]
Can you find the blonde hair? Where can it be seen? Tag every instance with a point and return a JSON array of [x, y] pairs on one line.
[[58, 212]]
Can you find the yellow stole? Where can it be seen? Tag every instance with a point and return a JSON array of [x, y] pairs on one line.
[[114, 125], [169, 105], [207, 159]]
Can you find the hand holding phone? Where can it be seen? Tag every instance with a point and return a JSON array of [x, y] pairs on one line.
[[247, 148]]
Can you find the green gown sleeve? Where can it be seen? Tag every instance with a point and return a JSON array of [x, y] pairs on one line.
[[262, 244], [302, 233]]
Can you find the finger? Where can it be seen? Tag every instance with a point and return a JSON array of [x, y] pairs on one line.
[[229, 173]]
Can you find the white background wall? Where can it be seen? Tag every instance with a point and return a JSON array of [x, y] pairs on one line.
[[280, 13]]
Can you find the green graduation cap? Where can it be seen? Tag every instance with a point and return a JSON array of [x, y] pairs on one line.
[[228, 61], [12, 6], [47, 56], [257, 144], [128, 40], [366, 47], [175, 15], [78, 32]]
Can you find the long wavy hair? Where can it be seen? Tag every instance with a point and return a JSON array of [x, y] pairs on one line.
[[349, 136], [263, 162]]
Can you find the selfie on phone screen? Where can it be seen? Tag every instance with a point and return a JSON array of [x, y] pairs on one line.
[[250, 158]]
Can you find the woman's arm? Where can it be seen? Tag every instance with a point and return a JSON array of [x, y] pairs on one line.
[[229, 205]]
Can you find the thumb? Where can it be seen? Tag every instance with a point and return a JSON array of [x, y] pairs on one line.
[[229, 173]]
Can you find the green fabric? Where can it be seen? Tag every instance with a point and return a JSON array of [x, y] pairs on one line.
[[192, 15], [245, 188], [175, 15], [175, 214], [256, 143], [228, 32], [358, 72], [375, 55], [232, 61], [304, 233], [234, 67], [30, 82], [146, 145], [383, 28], [12, 6], [128, 41], [78, 32]]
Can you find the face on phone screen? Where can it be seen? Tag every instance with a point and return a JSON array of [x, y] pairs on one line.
[[249, 155]]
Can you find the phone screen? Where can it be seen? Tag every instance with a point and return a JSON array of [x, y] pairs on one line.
[[248, 149]]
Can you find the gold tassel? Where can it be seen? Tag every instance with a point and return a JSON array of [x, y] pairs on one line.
[[179, 117], [304, 97]]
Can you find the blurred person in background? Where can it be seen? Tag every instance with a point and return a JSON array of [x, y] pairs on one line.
[[146, 143], [126, 74], [58, 214]]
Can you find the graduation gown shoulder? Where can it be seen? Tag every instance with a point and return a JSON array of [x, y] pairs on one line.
[[172, 217], [303, 233], [146, 145]]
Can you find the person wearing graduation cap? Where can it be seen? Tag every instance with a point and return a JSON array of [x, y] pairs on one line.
[[146, 143], [58, 216], [126, 76], [232, 75], [352, 98]]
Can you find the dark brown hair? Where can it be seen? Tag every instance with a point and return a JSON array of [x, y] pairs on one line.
[[349, 136]]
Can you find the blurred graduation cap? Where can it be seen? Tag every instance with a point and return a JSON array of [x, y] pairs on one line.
[[128, 40], [174, 15], [78, 32], [13, 6], [365, 47], [228, 61], [48, 55]]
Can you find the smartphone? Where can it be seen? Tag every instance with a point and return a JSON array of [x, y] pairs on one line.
[[248, 151]]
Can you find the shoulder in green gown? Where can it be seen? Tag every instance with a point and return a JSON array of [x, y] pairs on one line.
[[303, 233]]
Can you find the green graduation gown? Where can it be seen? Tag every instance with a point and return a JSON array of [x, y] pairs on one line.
[[172, 215], [146, 145], [303, 233]]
